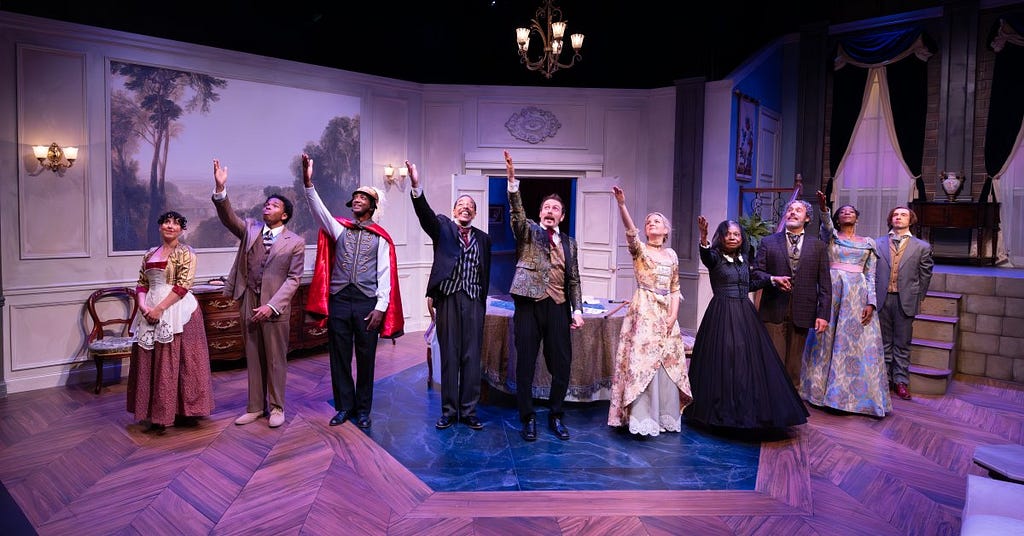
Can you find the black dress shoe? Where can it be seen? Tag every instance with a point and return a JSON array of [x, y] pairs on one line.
[[529, 431], [444, 422], [363, 421], [556, 426], [472, 422], [340, 418]]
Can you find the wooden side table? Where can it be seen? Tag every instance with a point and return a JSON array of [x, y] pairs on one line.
[[982, 219]]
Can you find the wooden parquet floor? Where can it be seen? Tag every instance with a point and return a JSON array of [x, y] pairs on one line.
[[76, 463]]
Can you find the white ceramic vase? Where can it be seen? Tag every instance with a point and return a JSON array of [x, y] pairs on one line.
[[951, 185]]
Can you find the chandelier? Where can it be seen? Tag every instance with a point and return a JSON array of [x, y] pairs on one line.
[[550, 33]]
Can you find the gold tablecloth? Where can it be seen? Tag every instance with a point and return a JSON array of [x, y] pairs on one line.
[[593, 353]]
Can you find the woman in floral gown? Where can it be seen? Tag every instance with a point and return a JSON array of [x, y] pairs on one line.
[[650, 386], [739, 381], [844, 367], [169, 381]]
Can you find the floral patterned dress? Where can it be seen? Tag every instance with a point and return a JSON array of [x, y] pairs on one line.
[[650, 386], [844, 367]]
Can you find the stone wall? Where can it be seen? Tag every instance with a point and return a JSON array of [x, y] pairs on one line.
[[991, 332]]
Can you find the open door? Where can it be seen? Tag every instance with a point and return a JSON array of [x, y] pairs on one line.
[[474, 186], [597, 222]]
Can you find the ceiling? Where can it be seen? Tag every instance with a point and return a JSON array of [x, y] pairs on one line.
[[628, 44]]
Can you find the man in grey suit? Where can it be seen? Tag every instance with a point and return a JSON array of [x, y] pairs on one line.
[[263, 278], [903, 273], [548, 300], [800, 297]]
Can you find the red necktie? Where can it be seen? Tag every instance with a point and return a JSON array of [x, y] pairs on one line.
[[551, 235], [464, 232]]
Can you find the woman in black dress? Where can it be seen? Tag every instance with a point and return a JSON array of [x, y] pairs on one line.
[[737, 378]]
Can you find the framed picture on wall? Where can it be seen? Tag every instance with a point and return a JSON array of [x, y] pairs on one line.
[[746, 126]]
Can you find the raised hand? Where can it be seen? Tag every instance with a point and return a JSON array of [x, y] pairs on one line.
[[620, 196], [822, 201], [307, 170], [702, 226], [509, 169], [220, 175], [414, 176]]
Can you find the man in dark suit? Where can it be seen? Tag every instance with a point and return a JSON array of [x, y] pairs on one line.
[[265, 275], [902, 276], [459, 278], [800, 297], [546, 292]]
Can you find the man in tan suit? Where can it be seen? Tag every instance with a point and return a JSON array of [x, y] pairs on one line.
[[546, 291], [265, 275]]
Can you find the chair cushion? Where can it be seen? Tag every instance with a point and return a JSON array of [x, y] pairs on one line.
[[111, 345]]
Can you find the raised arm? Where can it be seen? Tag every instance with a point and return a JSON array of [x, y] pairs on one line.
[[631, 231], [517, 215], [316, 205], [826, 230], [428, 220], [225, 213]]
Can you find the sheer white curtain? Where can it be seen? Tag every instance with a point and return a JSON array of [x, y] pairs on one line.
[[1008, 185], [872, 175]]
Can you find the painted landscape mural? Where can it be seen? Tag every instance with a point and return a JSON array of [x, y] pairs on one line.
[[167, 126]]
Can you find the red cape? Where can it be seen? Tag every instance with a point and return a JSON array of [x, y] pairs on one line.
[[320, 287]]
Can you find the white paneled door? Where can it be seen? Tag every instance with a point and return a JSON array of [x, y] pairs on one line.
[[597, 221]]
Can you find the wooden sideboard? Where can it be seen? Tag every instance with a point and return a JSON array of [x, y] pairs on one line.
[[982, 219], [224, 329]]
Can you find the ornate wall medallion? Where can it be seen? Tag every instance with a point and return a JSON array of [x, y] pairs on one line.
[[532, 125]]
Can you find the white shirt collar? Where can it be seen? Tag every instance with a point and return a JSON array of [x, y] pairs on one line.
[[739, 257], [276, 231]]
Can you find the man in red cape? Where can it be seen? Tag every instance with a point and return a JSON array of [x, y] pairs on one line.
[[355, 291]]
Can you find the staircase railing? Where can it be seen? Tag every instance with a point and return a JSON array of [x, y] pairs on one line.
[[769, 203]]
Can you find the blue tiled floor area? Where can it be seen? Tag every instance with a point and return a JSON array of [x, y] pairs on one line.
[[597, 457]]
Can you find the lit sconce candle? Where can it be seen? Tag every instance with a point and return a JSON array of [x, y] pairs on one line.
[[557, 29], [577, 41], [522, 35], [556, 47], [40, 151], [403, 172], [71, 153]]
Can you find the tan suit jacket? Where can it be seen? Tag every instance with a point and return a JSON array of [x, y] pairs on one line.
[[284, 268]]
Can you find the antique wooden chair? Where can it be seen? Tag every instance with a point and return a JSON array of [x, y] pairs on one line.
[[112, 311]]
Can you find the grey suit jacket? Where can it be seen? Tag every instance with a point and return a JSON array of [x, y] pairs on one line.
[[533, 258], [915, 272], [285, 262]]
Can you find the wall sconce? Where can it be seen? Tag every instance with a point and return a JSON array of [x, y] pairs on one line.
[[54, 158], [389, 175]]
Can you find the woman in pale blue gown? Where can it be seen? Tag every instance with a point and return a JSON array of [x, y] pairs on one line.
[[844, 367]]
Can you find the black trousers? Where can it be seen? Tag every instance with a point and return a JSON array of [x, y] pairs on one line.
[[347, 329], [536, 322], [460, 327]]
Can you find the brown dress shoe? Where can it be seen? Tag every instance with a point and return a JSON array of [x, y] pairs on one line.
[[902, 392]]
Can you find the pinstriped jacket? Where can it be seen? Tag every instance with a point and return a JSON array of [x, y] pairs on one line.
[[533, 258]]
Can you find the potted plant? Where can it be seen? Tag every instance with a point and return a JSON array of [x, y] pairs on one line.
[[756, 229]]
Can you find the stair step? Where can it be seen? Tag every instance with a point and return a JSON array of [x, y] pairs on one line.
[[941, 303], [926, 384], [938, 318], [939, 345], [936, 355], [935, 327], [932, 372]]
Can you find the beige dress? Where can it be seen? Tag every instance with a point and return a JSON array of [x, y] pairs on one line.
[[650, 386]]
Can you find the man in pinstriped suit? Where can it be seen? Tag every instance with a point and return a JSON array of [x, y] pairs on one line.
[[459, 278]]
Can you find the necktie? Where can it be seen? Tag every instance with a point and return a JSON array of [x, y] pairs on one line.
[[464, 233], [794, 239], [551, 235], [268, 239], [897, 240]]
